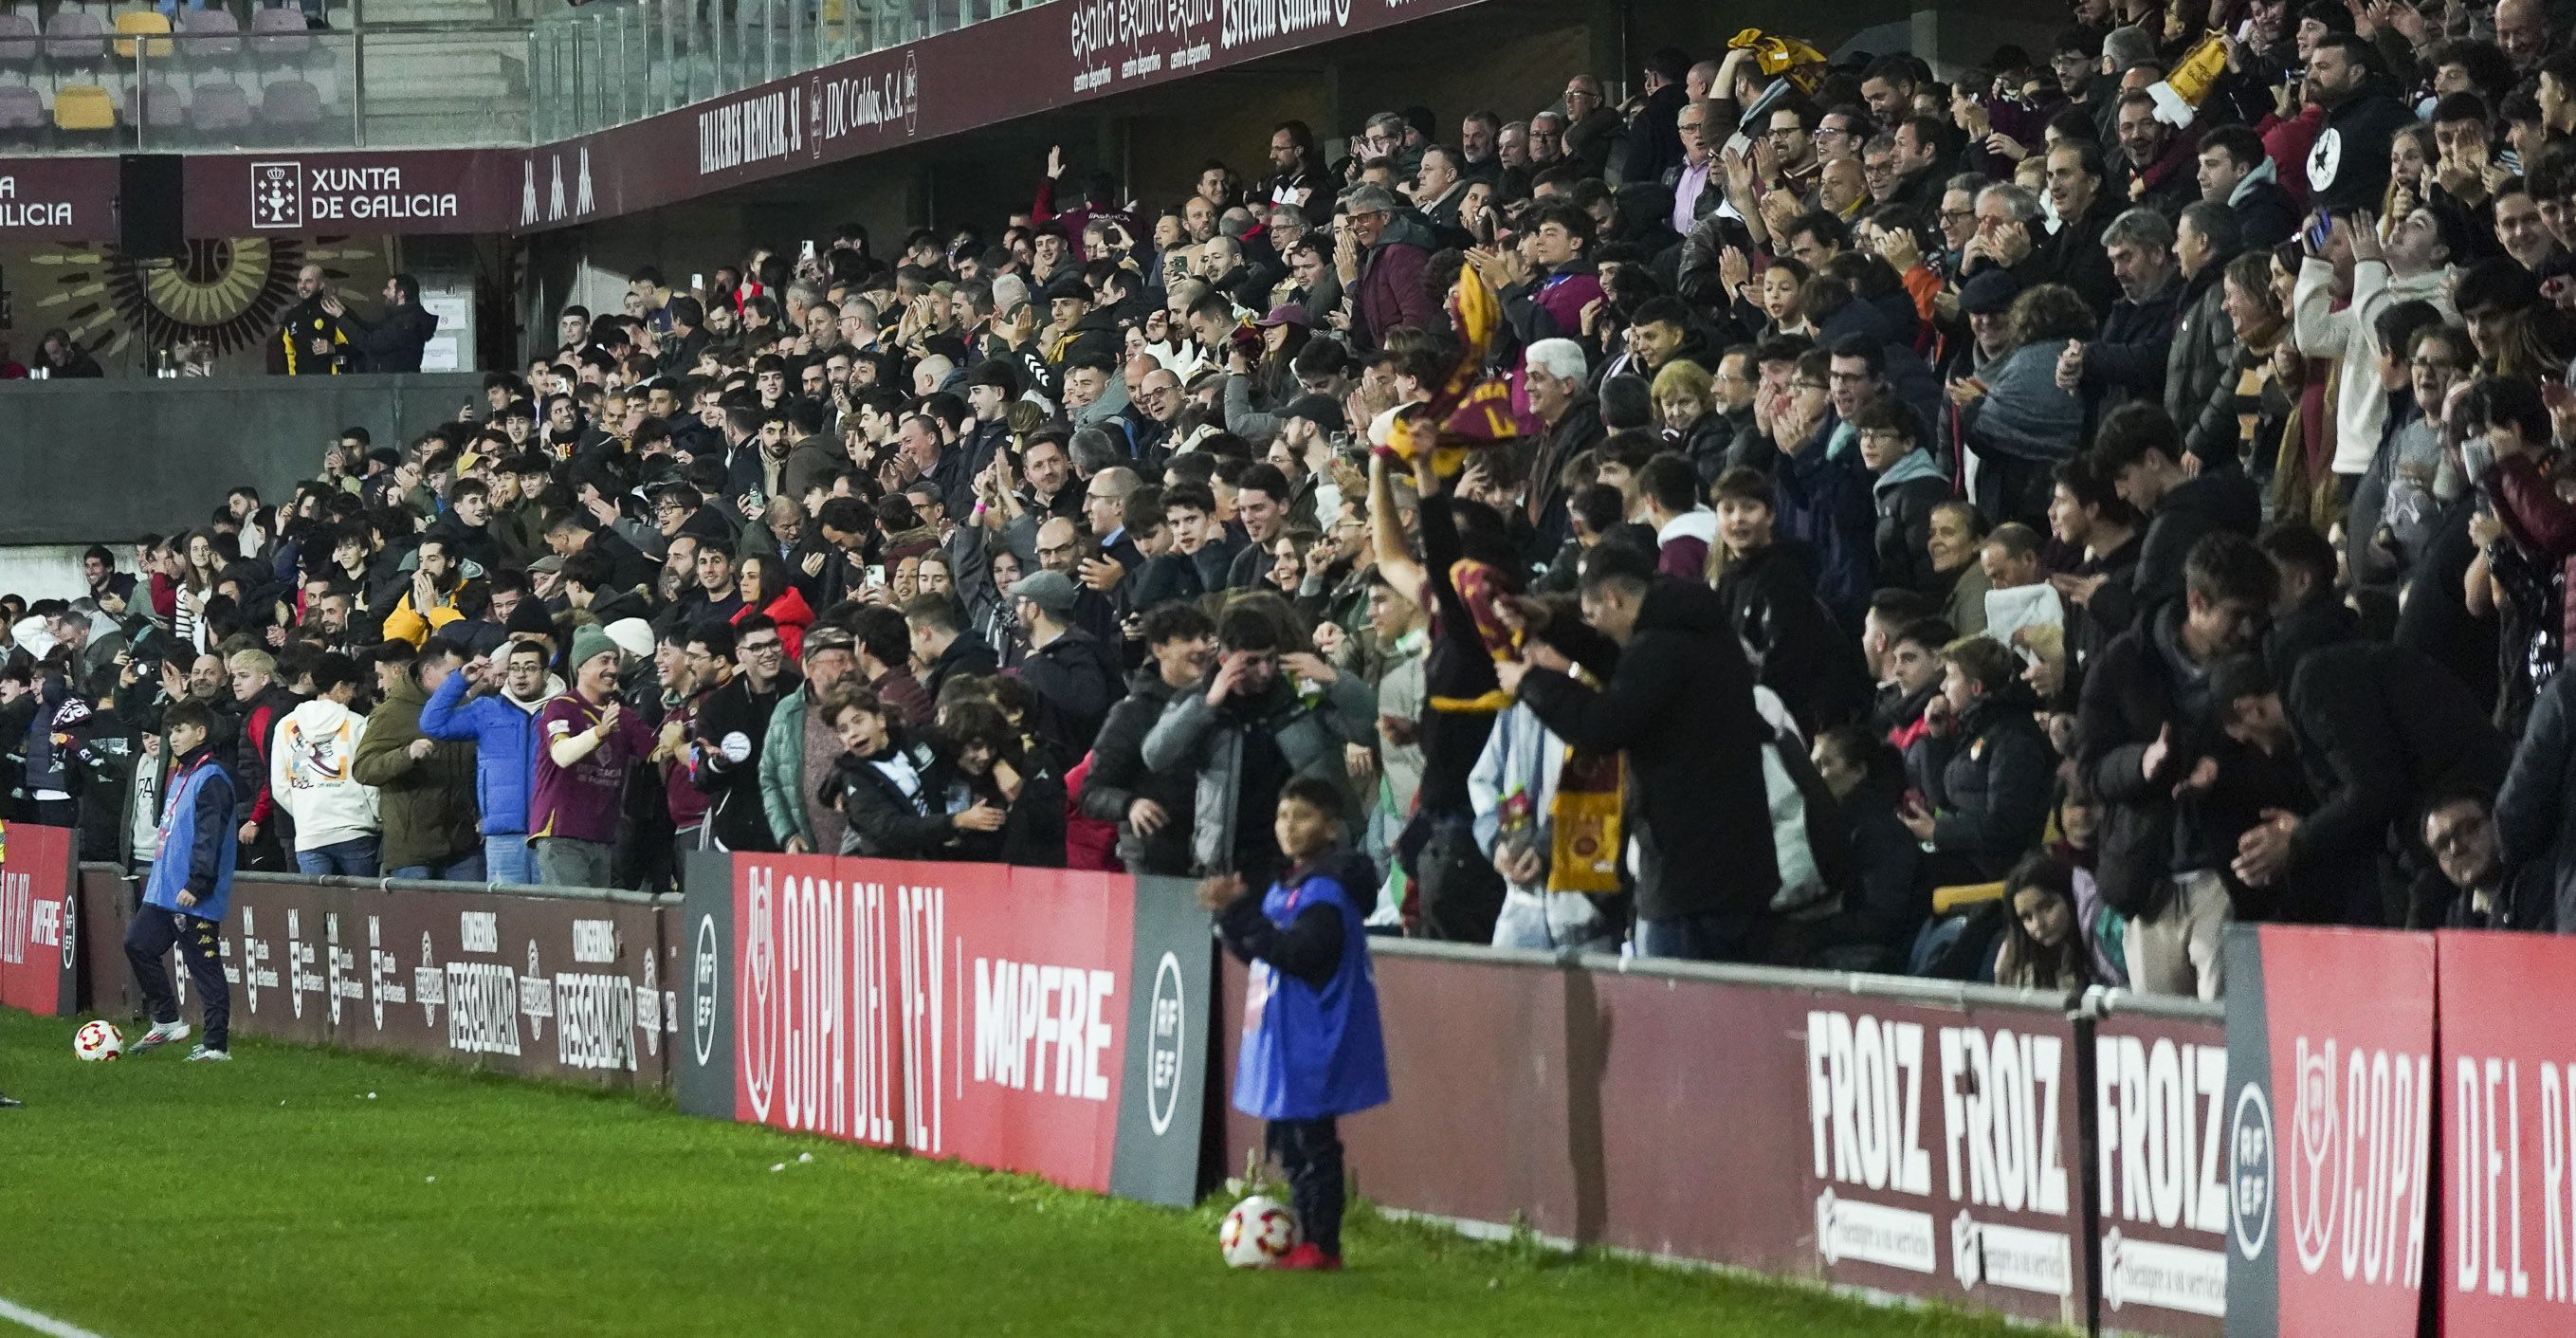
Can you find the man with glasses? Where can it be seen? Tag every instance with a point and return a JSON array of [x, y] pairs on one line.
[[1546, 138], [2483, 890], [1380, 257], [1791, 144], [1688, 179], [733, 723], [1841, 131], [1594, 134]]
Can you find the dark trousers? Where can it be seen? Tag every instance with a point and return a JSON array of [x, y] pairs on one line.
[[1461, 895], [1310, 1152], [147, 945]]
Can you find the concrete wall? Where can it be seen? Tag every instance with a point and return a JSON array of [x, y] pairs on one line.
[[106, 461]]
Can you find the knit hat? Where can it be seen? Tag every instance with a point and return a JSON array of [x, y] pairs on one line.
[[633, 636], [530, 617], [590, 643], [1990, 293]]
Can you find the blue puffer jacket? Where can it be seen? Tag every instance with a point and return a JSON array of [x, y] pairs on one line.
[[504, 735]]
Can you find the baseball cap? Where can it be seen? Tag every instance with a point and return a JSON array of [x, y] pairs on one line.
[[1287, 313], [1317, 409]]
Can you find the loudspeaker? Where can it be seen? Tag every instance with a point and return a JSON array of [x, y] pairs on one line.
[[151, 223]]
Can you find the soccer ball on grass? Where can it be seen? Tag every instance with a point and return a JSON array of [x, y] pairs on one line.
[[1257, 1232], [98, 1040]]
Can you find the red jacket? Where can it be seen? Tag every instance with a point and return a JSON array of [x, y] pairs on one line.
[[792, 614], [1390, 292]]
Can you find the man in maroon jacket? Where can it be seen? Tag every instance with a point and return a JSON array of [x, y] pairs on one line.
[[1381, 254]]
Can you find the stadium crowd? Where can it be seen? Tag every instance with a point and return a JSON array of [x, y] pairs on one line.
[[2003, 529]]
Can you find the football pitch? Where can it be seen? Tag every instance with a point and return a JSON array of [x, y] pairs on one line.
[[297, 1191]]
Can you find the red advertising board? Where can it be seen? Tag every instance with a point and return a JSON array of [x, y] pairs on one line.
[[1030, 1020], [2160, 1129], [2330, 1038], [2507, 1078], [39, 929], [62, 198]]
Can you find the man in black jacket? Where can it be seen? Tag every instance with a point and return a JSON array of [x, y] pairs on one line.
[[2148, 725], [1677, 695], [2139, 451], [1153, 809], [943, 646], [732, 725], [393, 342], [2381, 729], [1074, 676]]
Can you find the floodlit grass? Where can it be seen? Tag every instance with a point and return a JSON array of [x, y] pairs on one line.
[[297, 1192]]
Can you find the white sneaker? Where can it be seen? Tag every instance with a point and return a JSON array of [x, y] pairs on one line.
[[161, 1034], [202, 1055]]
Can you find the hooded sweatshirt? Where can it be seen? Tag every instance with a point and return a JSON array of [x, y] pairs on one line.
[[311, 776], [1682, 544]]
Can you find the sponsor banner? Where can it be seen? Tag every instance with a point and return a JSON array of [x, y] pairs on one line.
[[2160, 1129], [2330, 1116], [557, 987], [1022, 1019], [58, 199], [408, 191], [1057, 56], [2506, 1261], [1944, 1158], [39, 920]]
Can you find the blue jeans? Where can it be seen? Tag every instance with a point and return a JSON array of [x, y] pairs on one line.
[[353, 858], [506, 859], [1710, 936], [466, 870]]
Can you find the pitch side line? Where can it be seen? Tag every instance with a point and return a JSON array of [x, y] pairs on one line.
[[41, 1323]]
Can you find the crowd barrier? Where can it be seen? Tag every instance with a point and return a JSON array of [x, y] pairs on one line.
[[1900, 1137], [526, 981], [2377, 1137], [1030, 1020]]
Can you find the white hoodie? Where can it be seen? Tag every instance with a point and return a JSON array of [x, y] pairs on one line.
[[310, 775]]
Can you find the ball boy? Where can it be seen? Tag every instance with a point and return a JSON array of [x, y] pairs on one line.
[[1311, 1046], [190, 888]]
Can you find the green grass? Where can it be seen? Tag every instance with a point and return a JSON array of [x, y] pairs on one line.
[[297, 1191]]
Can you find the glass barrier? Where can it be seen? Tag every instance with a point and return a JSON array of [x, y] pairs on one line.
[[79, 78]]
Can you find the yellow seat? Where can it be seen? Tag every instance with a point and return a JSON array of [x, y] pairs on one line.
[[142, 24], [84, 107], [1960, 896]]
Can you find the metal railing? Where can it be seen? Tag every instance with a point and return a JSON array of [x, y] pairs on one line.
[[75, 78]]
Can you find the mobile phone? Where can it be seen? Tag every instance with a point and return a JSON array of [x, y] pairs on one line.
[[877, 574], [697, 281], [808, 252], [2320, 230]]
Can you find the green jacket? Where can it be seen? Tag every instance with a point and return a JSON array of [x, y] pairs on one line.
[[427, 805], [782, 774]]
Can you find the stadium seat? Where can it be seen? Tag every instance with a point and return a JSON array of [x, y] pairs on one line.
[[146, 29], [211, 33], [279, 34], [74, 35], [22, 109], [83, 108], [17, 41], [220, 112], [290, 111], [157, 107]]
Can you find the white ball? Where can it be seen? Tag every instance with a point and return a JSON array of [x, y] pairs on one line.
[[97, 1040], [1257, 1232]]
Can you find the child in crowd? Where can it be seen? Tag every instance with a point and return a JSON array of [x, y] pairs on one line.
[[190, 888], [1311, 1047]]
